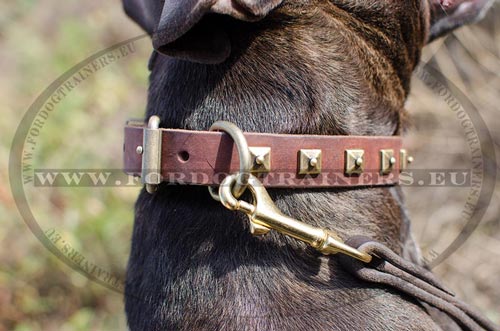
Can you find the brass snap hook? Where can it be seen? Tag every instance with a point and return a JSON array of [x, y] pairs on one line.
[[265, 216]]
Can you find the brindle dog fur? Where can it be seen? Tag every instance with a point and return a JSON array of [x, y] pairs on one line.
[[301, 67]]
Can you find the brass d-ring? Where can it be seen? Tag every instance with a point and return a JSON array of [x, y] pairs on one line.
[[244, 155]]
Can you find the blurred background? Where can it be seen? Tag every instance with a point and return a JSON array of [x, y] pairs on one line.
[[40, 40]]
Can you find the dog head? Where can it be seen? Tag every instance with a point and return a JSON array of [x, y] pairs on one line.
[[342, 66], [173, 24]]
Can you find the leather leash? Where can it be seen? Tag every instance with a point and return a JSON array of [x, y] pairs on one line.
[[211, 158], [388, 268]]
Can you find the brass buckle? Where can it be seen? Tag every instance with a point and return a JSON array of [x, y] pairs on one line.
[[151, 155], [264, 216]]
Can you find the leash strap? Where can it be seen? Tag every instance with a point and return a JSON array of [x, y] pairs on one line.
[[388, 268]]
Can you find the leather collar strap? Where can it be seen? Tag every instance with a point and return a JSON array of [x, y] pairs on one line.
[[281, 160]]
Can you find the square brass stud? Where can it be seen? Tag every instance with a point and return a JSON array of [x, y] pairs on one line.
[[387, 161], [310, 161], [403, 159], [261, 157], [354, 161]]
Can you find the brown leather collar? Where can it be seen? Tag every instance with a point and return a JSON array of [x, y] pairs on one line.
[[281, 160]]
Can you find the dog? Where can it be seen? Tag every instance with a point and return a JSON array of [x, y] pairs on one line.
[[336, 67]]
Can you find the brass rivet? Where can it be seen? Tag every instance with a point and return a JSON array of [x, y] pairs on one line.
[[359, 162], [310, 161], [262, 159], [139, 150], [313, 162], [354, 161]]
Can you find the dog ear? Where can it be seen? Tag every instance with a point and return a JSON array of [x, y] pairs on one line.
[[145, 12], [175, 29], [447, 15]]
